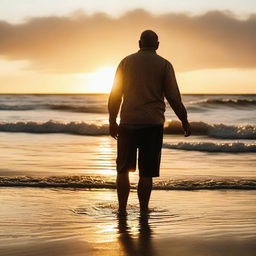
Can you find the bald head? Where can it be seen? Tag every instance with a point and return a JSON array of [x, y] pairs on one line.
[[148, 39]]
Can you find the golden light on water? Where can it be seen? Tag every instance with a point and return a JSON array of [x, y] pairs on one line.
[[105, 157]]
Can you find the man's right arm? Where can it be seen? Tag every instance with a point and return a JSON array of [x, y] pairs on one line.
[[114, 101], [172, 94]]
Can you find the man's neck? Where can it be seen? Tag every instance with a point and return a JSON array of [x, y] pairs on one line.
[[151, 49]]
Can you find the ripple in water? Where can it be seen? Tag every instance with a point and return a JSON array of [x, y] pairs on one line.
[[108, 211]]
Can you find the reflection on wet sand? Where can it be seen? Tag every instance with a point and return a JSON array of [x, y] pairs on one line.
[[135, 246]]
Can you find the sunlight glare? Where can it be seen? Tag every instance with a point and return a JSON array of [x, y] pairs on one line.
[[101, 80]]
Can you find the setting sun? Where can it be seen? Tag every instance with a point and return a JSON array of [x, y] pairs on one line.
[[101, 80]]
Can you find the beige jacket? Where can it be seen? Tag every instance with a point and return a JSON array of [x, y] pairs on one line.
[[141, 82]]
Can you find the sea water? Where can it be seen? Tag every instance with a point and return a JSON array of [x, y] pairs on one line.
[[67, 136], [57, 169]]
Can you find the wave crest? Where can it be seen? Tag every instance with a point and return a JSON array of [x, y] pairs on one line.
[[104, 183], [221, 131], [55, 127], [235, 147]]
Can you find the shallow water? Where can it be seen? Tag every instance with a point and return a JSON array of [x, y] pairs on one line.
[[91, 160], [34, 213], [35, 139]]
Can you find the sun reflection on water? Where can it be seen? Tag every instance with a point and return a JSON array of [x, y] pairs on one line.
[[106, 154]]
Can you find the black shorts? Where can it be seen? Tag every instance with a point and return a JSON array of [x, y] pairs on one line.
[[148, 141]]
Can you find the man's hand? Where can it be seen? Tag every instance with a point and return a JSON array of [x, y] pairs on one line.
[[113, 130], [186, 128]]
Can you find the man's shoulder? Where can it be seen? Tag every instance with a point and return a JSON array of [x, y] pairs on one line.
[[125, 59], [163, 59], [137, 54], [130, 56]]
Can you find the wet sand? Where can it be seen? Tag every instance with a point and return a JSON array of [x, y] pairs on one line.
[[158, 247], [71, 222]]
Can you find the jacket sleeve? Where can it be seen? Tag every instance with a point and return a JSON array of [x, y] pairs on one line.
[[172, 93], [115, 97]]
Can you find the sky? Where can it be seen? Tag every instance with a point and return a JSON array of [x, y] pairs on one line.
[[57, 46]]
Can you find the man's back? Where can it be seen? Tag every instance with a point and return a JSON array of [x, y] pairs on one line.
[[143, 92], [142, 80]]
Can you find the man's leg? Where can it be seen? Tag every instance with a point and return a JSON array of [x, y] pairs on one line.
[[126, 160], [123, 189], [150, 146], [144, 192]]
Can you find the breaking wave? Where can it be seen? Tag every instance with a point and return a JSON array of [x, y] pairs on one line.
[[221, 131], [234, 147], [55, 127], [96, 182]]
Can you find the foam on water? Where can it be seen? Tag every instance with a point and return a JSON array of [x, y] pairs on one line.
[[82, 128], [172, 127], [221, 131], [96, 182], [234, 147]]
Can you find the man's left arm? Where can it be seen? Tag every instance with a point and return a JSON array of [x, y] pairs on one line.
[[173, 96]]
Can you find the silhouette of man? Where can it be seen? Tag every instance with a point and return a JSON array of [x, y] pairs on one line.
[[141, 82]]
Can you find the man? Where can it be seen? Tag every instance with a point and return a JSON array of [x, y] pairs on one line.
[[141, 82]]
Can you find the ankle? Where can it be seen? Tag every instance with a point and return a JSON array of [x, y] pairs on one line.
[[121, 212], [144, 212]]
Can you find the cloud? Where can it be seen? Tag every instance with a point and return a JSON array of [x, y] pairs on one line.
[[80, 43]]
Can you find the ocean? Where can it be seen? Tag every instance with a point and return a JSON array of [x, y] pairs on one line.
[[57, 173]]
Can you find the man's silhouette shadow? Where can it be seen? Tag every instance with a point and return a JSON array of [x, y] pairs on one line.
[[141, 246]]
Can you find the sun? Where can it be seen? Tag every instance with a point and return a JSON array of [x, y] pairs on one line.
[[101, 80], [98, 81]]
